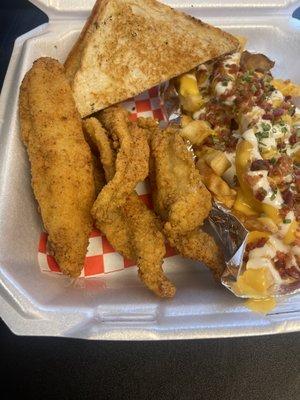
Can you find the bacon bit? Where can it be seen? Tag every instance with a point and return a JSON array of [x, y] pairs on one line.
[[231, 143], [252, 180], [281, 145], [293, 272], [285, 106], [281, 264], [234, 125], [258, 165], [293, 139], [233, 68], [297, 243], [284, 210], [297, 213], [225, 96], [288, 198], [260, 194], [256, 244], [250, 93], [217, 114], [287, 98], [278, 112], [280, 260], [297, 178], [283, 166], [268, 117]]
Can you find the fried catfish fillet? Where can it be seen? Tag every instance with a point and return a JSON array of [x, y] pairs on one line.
[[200, 246], [181, 199], [179, 195], [131, 162], [131, 228], [61, 161]]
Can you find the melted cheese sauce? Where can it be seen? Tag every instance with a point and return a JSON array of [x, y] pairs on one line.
[[261, 257], [263, 135], [262, 306]]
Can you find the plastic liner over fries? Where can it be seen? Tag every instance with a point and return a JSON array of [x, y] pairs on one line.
[[228, 227]]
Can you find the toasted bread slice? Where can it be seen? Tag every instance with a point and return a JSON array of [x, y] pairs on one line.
[[128, 46]]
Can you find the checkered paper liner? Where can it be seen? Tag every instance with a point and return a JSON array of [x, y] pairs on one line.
[[101, 257]]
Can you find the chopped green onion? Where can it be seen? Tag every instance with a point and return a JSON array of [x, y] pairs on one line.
[[266, 127], [274, 194], [273, 160], [246, 77], [282, 151], [262, 135], [287, 221], [262, 144]]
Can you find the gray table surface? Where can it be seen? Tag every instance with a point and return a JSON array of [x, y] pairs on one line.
[[255, 368]]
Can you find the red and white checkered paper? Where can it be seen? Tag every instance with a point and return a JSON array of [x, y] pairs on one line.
[[101, 257]]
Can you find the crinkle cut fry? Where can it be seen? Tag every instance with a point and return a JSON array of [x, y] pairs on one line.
[[61, 162], [133, 228]]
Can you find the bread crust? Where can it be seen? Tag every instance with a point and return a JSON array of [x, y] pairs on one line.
[[72, 62]]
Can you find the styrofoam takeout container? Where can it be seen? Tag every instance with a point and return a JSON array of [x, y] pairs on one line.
[[118, 306]]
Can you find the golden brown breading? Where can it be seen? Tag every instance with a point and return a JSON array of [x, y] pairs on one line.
[[98, 136], [61, 162], [128, 173], [24, 111], [98, 173], [132, 228], [148, 244], [115, 229], [180, 197], [200, 246]]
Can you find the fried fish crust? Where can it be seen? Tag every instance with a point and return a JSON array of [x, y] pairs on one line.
[[61, 162], [132, 228]]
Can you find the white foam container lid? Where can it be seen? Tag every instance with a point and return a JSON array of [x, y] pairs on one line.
[[118, 306]]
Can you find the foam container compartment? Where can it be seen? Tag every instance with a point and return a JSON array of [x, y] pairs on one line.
[[117, 306]]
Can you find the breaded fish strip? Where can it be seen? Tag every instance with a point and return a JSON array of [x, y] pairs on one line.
[[180, 197], [116, 231], [131, 162], [133, 228], [200, 246], [149, 246], [61, 162]]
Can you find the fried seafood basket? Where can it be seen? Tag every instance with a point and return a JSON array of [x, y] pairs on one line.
[[115, 305]]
